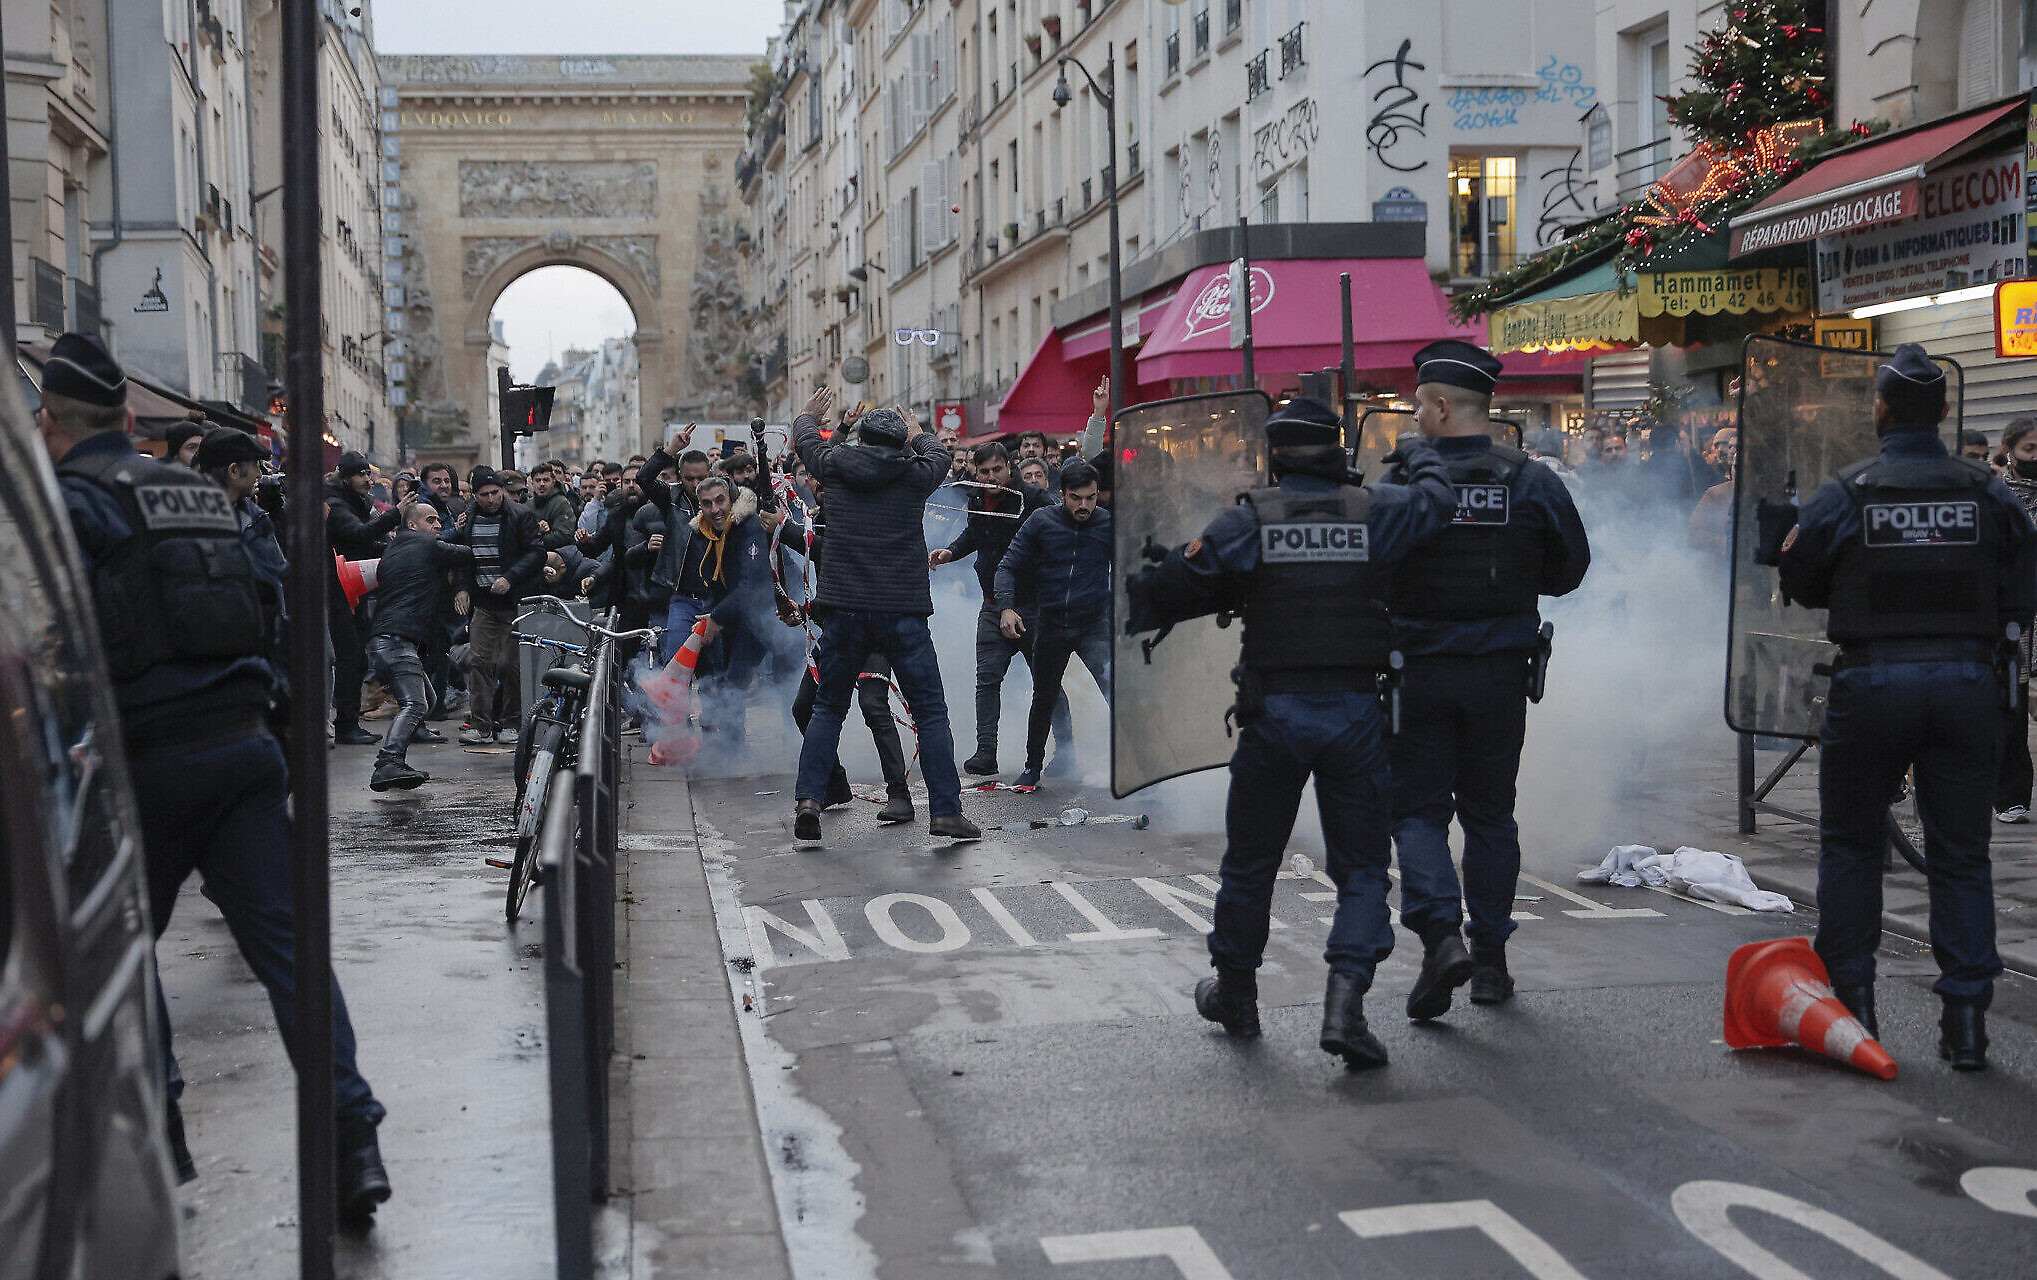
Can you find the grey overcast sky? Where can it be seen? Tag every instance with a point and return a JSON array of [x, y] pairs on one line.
[[550, 310], [576, 26]]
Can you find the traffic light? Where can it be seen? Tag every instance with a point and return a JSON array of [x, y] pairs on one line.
[[526, 410]]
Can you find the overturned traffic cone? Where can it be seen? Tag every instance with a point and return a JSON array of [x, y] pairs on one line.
[[1778, 993], [668, 688], [356, 578]]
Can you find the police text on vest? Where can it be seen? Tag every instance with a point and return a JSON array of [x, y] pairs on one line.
[[1314, 544]]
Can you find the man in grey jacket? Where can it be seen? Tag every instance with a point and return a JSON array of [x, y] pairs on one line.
[[873, 597]]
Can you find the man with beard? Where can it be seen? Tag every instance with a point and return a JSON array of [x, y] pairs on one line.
[[509, 554]]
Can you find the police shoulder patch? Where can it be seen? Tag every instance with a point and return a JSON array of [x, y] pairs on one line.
[[1193, 549]]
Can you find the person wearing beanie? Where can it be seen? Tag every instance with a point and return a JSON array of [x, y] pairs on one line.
[[508, 559], [181, 441], [1921, 559], [873, 597], [1309, 558], [1466, 622], [211, 785], [355, 532]]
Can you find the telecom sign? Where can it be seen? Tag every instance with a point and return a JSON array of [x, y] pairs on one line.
[[2016, 318]]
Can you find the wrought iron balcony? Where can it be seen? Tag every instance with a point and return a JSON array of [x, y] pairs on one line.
[[46, 295], [1234, 15], [1200, 25], [1256, 81], [1291, 56], [1173, 58], [1132, 160]]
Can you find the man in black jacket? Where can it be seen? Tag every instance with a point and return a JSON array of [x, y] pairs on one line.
[[996, 511], [724, 576], [356, 533], [410, 584], [873, 587], [509, 553]]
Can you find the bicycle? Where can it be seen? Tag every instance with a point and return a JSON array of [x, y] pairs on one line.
[[549, 741]]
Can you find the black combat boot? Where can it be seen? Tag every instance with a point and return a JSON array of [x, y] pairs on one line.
[[362, 1183], [1962, 1036], [1231, 997], [839, 791], [1345, 1034], [1859, 1002], [1490, 981], [984, 763], [1446, 966]]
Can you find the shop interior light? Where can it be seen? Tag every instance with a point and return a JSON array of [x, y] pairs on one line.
[[1930, 300]]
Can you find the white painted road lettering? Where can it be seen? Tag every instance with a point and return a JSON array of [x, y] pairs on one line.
[[1535, 1254], [1182, 1246], [1702, 1208]]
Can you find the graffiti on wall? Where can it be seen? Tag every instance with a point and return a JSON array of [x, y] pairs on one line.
[[1285, 140], [1564, 85], [1563, 205], [1475, 108], [1398, 110]]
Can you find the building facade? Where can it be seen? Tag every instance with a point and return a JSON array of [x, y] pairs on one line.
[[595, 408], [58, 160], [920, 194]]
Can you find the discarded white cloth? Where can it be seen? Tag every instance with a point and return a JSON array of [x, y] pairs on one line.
[[1630, 865], [1699, 873]]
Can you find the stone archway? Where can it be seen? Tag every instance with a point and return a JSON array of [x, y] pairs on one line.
[[632, 268], [495, 166]]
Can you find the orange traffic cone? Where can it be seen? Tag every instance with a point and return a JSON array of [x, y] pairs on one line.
[[1778, 993], [667, 688], [356, 578]]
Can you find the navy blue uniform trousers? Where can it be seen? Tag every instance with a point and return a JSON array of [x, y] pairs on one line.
[[222, 811], [1458, 754], [1337, 738], [1945, 719]]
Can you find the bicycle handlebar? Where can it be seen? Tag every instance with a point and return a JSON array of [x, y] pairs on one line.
[[564, 607], [646, 634]]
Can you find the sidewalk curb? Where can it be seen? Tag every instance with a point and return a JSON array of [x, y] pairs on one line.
[[688, 1158]]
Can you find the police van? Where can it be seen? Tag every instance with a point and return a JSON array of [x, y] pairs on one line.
[[86, 1185]]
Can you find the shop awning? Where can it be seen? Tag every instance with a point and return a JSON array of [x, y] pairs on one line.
[[1050, 396], [1863, 185], [1395, 311], [1093, 336], [1605, 308], [155, 410]]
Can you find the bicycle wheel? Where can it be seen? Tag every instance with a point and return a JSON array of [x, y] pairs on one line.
[[530, 817], [526, 735]]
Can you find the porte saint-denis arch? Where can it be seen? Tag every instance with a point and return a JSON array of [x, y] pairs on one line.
[[496, 166]]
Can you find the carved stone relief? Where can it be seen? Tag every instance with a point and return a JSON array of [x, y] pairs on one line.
[[558, 188], [716, 347], [480, 255]]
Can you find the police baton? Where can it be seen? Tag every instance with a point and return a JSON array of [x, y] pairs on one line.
[[1538, 665], [1389, 692]]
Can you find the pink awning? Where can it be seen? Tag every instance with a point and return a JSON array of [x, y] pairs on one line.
[[1093, 335], [1395, 309], [1052, 395]]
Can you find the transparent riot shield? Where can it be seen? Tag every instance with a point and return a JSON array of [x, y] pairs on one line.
[[1805, 413], [1379, 428], [1179, 463]]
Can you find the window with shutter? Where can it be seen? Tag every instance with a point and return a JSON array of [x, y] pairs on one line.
[[930, 207], [1979, 70], [922, 79]]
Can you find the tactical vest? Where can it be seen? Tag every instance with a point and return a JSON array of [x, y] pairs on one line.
[[1927, 559], [1316, 601], [1487, 562], [183, 587]]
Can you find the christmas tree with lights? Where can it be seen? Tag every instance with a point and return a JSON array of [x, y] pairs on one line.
[[1765, 66]]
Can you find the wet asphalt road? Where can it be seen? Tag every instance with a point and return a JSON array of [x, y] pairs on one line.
[[994, 1045], [450, 1013]]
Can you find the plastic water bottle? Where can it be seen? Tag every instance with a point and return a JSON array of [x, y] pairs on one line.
[[1074, 817]]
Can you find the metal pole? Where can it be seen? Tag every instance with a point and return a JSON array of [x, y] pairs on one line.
[[1117, 298], [317, 1209], [1349, 367], [502, 386], [7, 328], [1245, 252]]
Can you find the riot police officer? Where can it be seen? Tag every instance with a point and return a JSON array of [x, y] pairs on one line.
[[184, 620], [1306, 563], [1921, 559], [1464, 618]]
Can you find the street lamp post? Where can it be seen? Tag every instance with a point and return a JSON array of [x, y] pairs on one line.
[[1108, 96]]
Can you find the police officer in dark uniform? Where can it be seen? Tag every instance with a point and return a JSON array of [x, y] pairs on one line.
[[183, 617], [1464, 618], [1921, 559], [1306, 563]]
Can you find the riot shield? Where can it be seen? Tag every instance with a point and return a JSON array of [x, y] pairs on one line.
[[1805, 412], [1379, 428], [1179, 463]]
